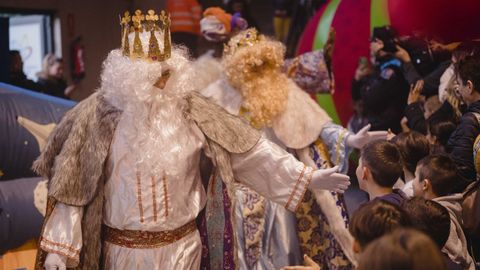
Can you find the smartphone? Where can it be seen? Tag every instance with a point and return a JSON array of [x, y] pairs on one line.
[[363, 61]]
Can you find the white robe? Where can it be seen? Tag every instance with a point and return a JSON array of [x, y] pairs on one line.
[[138, 201]]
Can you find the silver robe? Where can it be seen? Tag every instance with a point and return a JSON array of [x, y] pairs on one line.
[[265, 231]]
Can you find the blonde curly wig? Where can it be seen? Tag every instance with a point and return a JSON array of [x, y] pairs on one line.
[[255, 71]]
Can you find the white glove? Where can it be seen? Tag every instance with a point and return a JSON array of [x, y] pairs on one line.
[[329, 179], [55, 261], [364, 136]]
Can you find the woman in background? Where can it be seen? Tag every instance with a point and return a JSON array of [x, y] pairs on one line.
[[51, 79]]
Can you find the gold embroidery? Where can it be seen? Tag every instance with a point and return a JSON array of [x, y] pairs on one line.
[[154, 200], [49, 250], [69, 248], [146, 239], [295, 188], [166, 195], [139, 196], [323, 151], [337, 149], [310, 176]]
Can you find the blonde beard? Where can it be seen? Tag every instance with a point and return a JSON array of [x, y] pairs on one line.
[[255, 72], [264, 95]]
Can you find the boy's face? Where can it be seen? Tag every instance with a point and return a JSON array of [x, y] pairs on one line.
[[417, 184], [464, 90], [360, 172]]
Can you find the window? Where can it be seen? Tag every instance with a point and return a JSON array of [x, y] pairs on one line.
[[30, 35], [30, 32]]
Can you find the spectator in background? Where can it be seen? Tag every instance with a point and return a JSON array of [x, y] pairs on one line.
[[16, 76], [420, 62], [374, 219], [435, 179], [448, 80], [438, 132], [303, 11], [413, 146], [282, 13], [371, 221], [51, 79], [432, 219], [460, 144], [384, 92], [417, 112], [242, 7], [400, 250], [379, 168], [358, 119], [185, 18]]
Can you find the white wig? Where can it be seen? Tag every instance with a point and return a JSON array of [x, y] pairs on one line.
[[155, 116]]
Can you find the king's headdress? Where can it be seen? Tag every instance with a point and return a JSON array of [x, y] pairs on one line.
[[156, 25], [245, 38]]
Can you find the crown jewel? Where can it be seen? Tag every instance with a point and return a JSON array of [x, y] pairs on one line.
[[245, 38], [146, 23]]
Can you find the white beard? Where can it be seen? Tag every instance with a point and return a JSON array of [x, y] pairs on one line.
[[156, 129], [158, 135]]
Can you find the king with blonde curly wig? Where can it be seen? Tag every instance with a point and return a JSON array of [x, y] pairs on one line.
[[255, 71]]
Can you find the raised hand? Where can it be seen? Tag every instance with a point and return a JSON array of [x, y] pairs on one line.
[[415, 91], [364, 136], [329, 179]]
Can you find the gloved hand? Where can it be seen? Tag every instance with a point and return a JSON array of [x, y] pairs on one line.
[[364, 136], [329, 179], [55, 261]]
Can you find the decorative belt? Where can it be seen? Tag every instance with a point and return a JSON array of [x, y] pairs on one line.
[[145, 239]]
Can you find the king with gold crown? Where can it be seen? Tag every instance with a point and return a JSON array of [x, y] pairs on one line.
[[124, 166]]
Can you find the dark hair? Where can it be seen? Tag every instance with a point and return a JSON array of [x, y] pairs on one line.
[[13, 53], [465, 49], [375, 218], [441, 171], [384, 161], [413, 146], [469, 69], [429, 217], [388, 36], [400, 250], [441, 129]]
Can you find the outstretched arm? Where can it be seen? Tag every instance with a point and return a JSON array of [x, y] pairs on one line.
[[363, 136], [278, 176], [62, 236]]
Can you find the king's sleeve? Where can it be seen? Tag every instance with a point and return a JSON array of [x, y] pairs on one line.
[[273, 173], [62, 233], [335, 138]]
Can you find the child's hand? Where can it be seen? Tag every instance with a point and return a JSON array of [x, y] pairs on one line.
[[390, 134], [309, 265], [415, 91]]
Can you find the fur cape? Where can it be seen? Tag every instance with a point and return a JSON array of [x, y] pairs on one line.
[[77, 150]]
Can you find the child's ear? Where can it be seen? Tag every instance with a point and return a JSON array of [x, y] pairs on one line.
[[366, 173], [469, 86], [426, 185]]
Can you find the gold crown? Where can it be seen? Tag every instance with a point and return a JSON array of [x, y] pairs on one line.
[[151, 22], [245, 38]]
